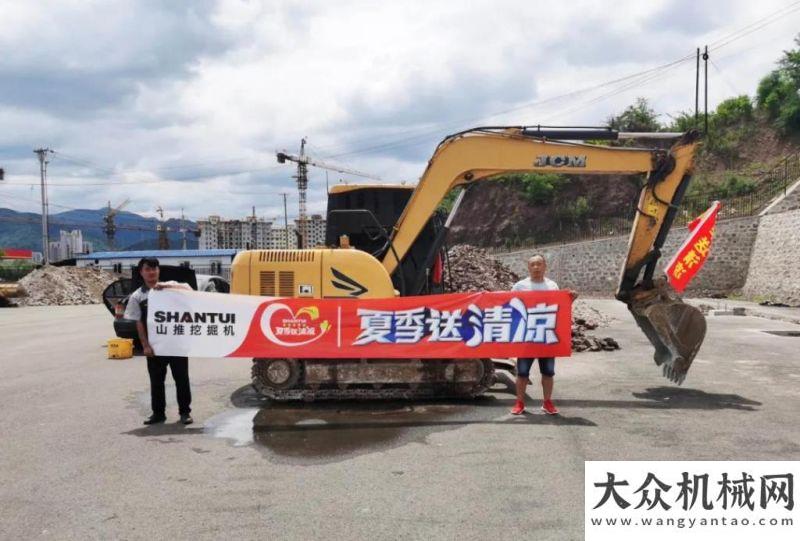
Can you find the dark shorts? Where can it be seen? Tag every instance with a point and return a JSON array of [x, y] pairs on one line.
[[547, 366]]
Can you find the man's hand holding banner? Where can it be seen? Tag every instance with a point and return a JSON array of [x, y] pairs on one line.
[[457, 325]]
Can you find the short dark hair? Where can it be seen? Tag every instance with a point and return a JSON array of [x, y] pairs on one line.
[[538, 255], [149, 261]]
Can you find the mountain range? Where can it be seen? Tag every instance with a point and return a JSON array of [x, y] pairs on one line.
[[134, 232]]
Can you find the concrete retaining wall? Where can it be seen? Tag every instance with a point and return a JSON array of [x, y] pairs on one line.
[[774, 272], [594, 266]]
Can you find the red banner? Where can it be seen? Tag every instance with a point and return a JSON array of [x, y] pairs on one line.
[[15, 253], [693, 253], [459, 325]]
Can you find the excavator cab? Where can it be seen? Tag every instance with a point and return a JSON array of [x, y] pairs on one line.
[[367, 214]]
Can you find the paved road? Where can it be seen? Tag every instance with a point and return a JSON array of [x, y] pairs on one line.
[[76, 462]]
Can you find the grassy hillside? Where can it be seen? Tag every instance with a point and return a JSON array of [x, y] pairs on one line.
[[746, 139]]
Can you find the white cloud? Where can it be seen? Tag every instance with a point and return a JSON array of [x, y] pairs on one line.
[[143, 87]]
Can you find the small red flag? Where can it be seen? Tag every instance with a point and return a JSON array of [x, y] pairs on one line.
[[693, 253]]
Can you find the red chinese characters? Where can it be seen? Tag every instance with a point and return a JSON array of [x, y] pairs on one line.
[[692, 255]]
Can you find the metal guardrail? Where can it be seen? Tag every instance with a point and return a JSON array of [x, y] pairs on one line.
[[776, 181]]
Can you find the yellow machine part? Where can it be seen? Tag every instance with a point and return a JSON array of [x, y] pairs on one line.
[[120, 348], [316, 273]]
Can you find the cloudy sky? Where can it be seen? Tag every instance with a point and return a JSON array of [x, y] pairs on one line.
[[183, 104]]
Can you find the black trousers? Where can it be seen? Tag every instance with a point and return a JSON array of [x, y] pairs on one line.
[[157, 368]]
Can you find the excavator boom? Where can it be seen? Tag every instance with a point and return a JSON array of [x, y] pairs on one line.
[[675, 329]]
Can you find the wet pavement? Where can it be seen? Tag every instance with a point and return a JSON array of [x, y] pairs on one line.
[[76, 462], [301, 433]]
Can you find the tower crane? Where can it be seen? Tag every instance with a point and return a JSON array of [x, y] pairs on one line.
[[303, 161], [163, 239], [109, 227]]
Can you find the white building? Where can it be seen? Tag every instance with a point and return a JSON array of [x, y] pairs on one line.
[[316, 230], [254, 233], [216, 262], [70, 244], [279, 240], [250, 233]]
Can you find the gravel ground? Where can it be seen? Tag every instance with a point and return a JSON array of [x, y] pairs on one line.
[[76, 462]]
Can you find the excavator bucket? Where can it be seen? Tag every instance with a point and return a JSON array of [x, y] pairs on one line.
[[675, 329]]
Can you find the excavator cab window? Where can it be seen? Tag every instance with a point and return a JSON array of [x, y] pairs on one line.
[[386, 203]]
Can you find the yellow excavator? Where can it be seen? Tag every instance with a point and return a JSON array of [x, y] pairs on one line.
[[387, 240]]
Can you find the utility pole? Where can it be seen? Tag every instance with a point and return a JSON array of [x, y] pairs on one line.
[[183, 232], [705, 73], [285, 221], [43, 161], [697, 89]]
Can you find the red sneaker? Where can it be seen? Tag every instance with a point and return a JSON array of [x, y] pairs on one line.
[[519, 407], [549, 408]]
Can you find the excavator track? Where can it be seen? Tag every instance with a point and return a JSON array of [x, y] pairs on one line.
[[371, 379]]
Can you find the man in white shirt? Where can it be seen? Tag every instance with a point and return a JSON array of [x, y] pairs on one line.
[[136, 309], [547, 365]]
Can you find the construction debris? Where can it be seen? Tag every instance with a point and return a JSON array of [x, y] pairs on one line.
[[585, 318], [581, 341], [58, 286], [472, 269]]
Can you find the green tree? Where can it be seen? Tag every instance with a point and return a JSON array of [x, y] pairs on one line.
[[576, 211], [639, 117], [447, 202], [683, 122], [539, 188], [733, 111], [778, 93]]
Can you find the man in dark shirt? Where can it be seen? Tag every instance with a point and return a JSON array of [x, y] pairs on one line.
[[148, 269]]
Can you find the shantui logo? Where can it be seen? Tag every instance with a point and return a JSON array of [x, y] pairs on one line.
[[560, 161], [285, 327]]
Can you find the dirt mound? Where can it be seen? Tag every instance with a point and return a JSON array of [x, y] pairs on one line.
[[585, 318], [56, 286], [496, 214], [471, 269]]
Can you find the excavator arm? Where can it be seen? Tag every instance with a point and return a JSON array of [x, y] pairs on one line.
[[675, 329]]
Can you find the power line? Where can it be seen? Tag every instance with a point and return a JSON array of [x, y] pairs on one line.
[[421, 135], [755, 26], [724, 78], [119, 172], [123, 172], [449, 126], [722, 42], [621, 90]]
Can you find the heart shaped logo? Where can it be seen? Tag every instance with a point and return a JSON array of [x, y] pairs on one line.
[[282, 326]]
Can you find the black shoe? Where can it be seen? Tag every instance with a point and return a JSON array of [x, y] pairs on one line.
[[186, 419], [155, 419]]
